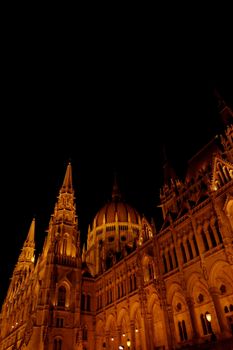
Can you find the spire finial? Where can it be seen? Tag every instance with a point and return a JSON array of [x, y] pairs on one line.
[[67, 183], [224, 110], [168, 171], [115, 190], [27, 253]]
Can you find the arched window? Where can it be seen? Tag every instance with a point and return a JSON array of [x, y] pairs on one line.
[[226, 310], [200, 298], [83, 298], [223, 289], [190, 249], [195, 245], [209, 326], [182, 331], [218, 231], [134, 281], [85, 335], [151, 271], [165, 263], [88, 302], [206, 325], [170, 260], [61, 296], [205, 242], [57, 344], [174, 252], [64, 246], [213, 240], [203, 323], [110, 296], [183, 253], [119, 290]]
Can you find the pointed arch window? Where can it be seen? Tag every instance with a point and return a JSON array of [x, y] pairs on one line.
[[206, 325], [216, 226], [85, 333], [176, 260], [203, 323], [57, 344], [183, 253], [165, 264], [151, 270], [119, 288], [182, 330], [213, 240], [61, 300], [205, 242], [83, 299], [110, 296], [64, 246], [88, 302], [190, 249], [226, 310], [134, 281], [223, 289], [195, 245], [170, 260]]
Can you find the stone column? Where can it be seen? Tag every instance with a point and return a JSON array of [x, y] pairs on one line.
[[170, 327], [193, 318], [119, 334], [132, 336], [225, 331], [107, 340], [149, 325]]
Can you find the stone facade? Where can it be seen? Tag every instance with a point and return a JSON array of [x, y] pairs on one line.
[[134, 285]]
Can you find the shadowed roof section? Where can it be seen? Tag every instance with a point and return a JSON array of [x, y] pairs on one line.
[[202, 159]]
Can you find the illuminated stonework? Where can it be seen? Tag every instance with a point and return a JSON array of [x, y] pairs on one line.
[[133, 286]]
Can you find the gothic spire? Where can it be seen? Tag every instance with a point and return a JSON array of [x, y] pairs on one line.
[[168, 171], [67, 186], [224, 110], [115, 190], [63, 236], [28, 250]]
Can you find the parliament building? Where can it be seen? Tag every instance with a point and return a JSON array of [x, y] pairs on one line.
[[132, 285]]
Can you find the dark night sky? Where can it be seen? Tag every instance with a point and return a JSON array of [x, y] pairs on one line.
[[108, 103]]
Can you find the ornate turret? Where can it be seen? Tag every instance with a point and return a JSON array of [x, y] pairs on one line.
[[27, 255], [63, 236]]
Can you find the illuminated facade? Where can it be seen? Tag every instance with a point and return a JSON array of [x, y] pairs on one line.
[[132, 286]]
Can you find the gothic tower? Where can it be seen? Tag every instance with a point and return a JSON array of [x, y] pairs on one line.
[[42, 307]]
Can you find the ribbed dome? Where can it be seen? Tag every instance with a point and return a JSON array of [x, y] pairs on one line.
[[116, 209], [116, 231]]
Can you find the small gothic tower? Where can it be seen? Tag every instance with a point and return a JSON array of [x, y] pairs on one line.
[[18, 304]]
